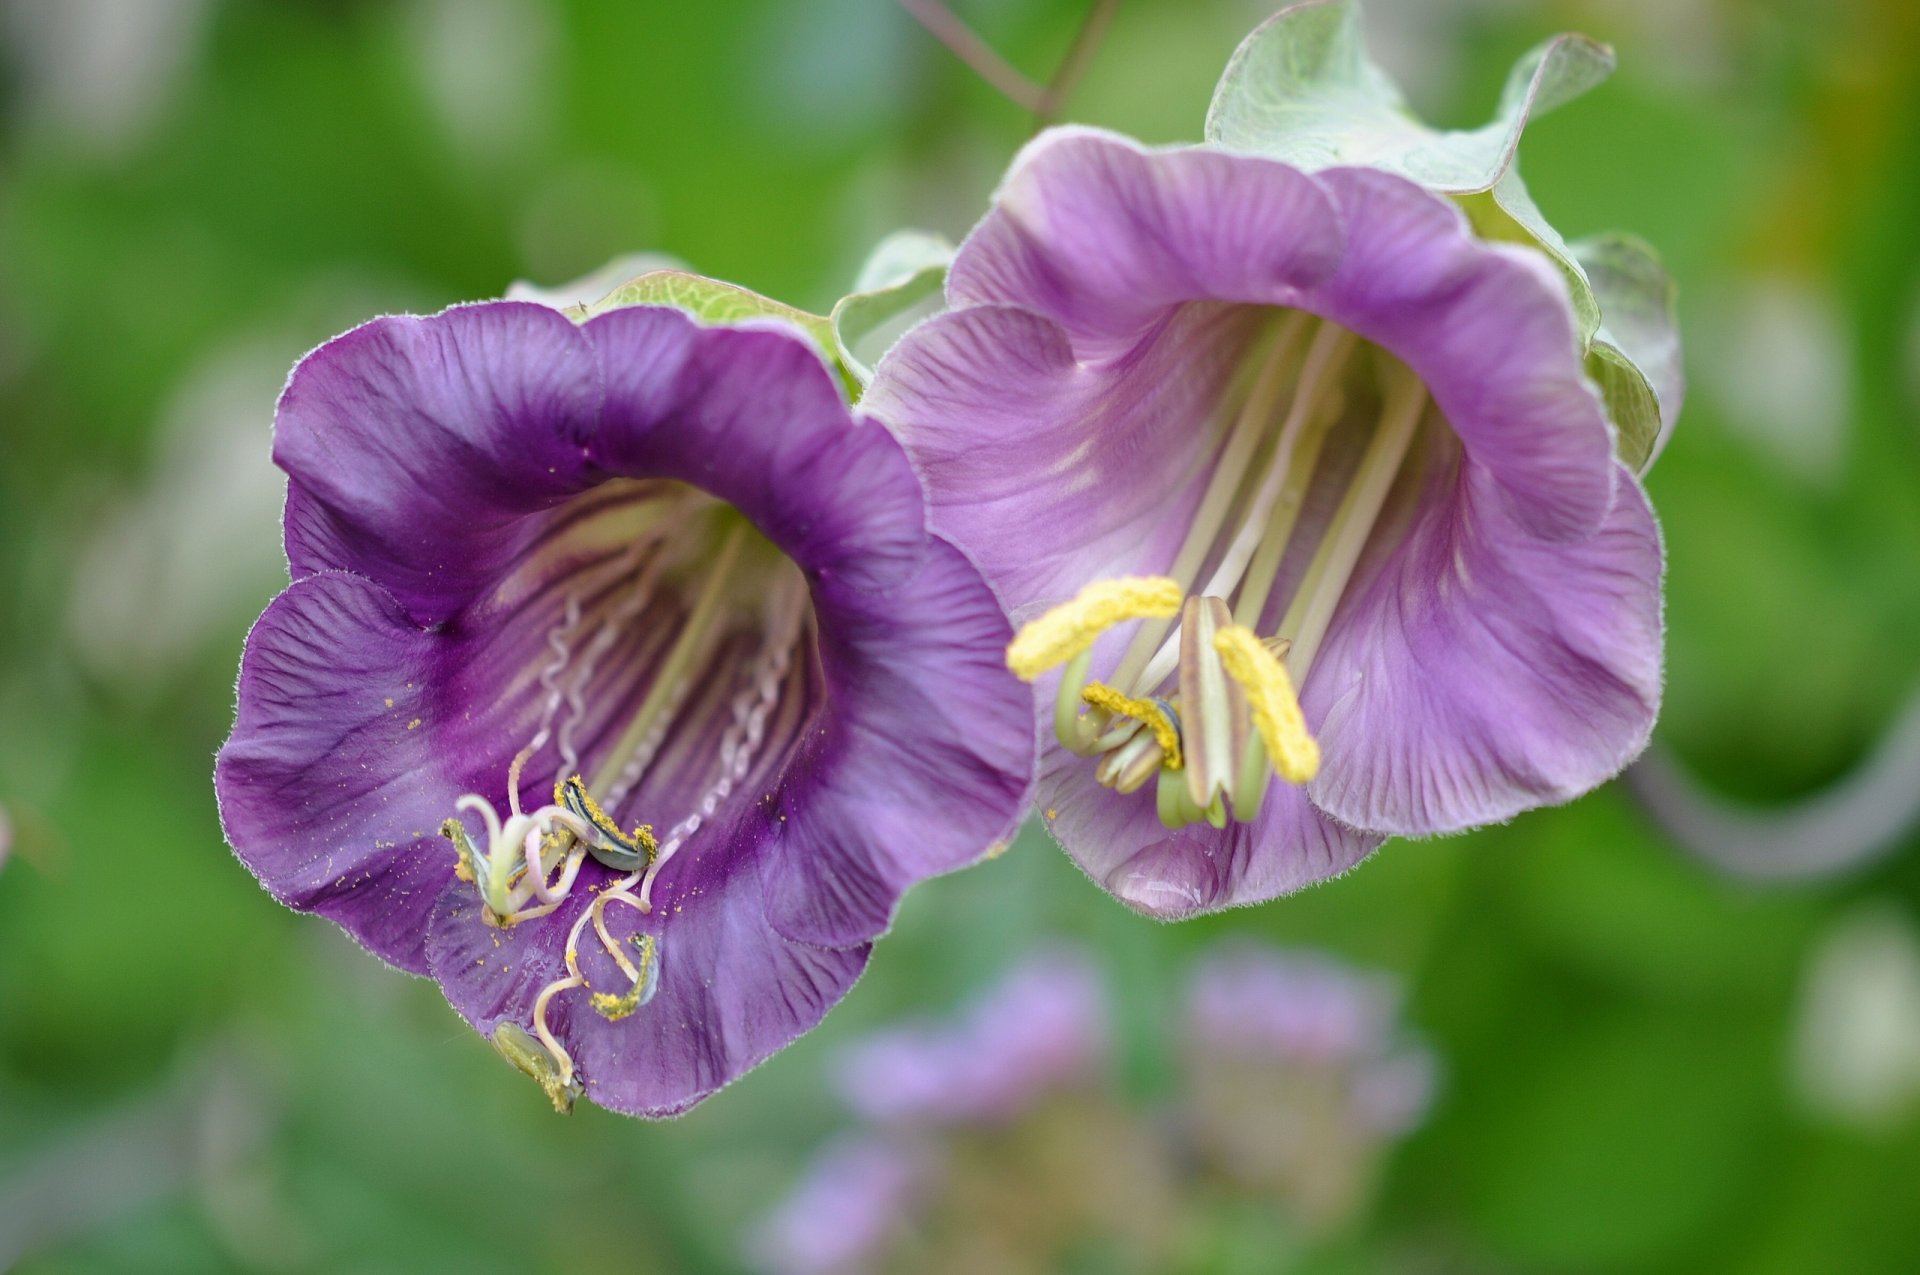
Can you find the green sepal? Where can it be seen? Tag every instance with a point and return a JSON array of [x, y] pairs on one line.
[[718, 304], [902, 282], [1302, 89], [1635, 356], [575, 294]]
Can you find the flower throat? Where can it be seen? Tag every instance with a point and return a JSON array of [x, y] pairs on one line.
[[1209, 710], [531, 861]]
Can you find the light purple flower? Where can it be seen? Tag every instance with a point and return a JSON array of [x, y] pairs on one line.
[[666, 559], [844, 1216], [1348, 444], [1040, 1029]]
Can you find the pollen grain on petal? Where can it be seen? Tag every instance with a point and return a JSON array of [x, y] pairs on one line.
[[1270, 695], [1073, 627]]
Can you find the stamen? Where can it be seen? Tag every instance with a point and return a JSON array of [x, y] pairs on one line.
[[1174, 803], [621, 851], [1070, 727], [645, 978], [1229, 473], [1333, 562], [1154, 713], [650, 744], [1276, 709], [552, 1071], [1251, 784], [513, 772], [1263, 572], [648, 542], [467, 863], [557, 1052], [1318, 382], [691, 641], [1073, 627], [1131, 763], [744, 735], [538, 844]]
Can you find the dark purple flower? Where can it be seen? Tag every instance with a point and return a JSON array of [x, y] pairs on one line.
[[1348, 444], [1041, 1028], [663, 572]]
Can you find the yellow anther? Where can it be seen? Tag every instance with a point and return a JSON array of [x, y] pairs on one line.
[[572, 793], [1276, 709], [553, 1072], [1149, 712], [645, 976], [1073, 627]]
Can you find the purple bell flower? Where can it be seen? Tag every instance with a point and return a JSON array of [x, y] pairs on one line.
[[1312, 512], [662, 573]]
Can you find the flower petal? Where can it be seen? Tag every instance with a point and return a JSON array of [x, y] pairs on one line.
[[1103, 236], [752, 415], [732, 992], [1120, 842], [1478, 671], [1302, 89], [1488, 329], [416, 445], [921, 761], [1049, 472], [328, 788]]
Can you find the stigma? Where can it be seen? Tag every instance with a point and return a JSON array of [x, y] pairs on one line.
[[528, 869]]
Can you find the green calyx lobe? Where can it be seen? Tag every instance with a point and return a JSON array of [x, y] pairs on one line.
[[1301, 89], [719, 304], [902, 281]]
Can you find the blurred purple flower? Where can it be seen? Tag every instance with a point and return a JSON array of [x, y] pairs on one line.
[[842, 1219], [1043, 1027], [1299, 1076], [1306, 1009], [664, 569], [1348, 444], [1298, 1005]]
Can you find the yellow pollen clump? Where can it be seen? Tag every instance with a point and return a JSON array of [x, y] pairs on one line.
[[1073, 627], [572, 793], [1156, 718], [1270, 695]]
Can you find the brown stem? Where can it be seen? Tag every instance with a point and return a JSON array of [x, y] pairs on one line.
[[1086, 42], [977, 54]]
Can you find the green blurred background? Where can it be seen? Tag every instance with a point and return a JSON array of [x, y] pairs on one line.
[[1650, 1066]]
